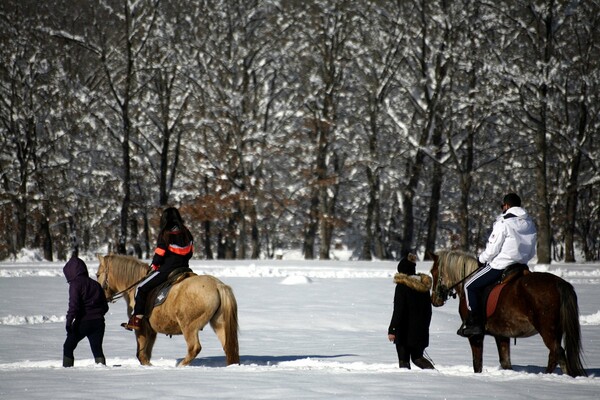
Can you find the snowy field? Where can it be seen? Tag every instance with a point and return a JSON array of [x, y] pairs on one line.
[[309, 330]]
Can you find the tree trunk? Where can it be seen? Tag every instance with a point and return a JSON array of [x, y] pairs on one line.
[[436, 193], [163, 196], [544, 252], [207, 236], [74, 237], [147, 245], [21, 228], [310, 227], [572, 186], [408, 240], [368, 239], [126, 203], [254, 233]]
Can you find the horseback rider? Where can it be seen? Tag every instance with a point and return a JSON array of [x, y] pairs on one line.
[[513, 241], [174, 249]]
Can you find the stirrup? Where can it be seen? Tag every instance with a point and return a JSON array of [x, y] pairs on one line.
[[470, 330], [132, 324]]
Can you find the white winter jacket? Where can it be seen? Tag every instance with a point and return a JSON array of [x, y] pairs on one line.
[[513, 240]]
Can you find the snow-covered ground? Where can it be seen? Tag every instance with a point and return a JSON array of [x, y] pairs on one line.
[[309, 330]]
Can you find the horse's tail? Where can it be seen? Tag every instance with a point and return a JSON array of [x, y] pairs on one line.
[[569, 320], [229, 313]]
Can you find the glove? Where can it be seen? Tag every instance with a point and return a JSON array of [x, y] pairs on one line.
[[480, 264], [69, 327], [154, 267]]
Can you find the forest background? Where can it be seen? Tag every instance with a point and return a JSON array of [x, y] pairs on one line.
[[378, 126]]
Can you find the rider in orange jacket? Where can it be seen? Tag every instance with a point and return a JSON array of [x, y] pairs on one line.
[[174, 249]]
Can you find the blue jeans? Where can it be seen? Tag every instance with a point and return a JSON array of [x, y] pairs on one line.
[[483, 277]]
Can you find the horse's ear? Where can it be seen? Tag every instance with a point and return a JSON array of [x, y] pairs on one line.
[[431, 255], [100, 257]]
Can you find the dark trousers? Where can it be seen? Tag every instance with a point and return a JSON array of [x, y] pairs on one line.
[[141, 294], [482, 278], [93, 330], [406, 353]]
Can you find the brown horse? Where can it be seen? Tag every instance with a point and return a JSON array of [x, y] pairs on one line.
[[532, 303], [190, 305]]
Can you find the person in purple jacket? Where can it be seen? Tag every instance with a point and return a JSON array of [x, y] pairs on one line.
[[85, 317]]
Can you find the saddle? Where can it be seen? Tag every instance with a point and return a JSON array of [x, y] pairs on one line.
[[491, 294], [159, 294]]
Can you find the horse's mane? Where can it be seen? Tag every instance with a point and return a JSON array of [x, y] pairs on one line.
[[126, 269], [456, 264]]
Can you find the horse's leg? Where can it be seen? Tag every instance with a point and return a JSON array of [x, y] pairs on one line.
[[551, 333], [190, 333], [556, 353], [145, 342], [476, 343], [225, 325], [503, 345], [150, 340], [220, 329]]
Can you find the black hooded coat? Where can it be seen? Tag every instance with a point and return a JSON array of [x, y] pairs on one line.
[[412, 307], [86, 297]]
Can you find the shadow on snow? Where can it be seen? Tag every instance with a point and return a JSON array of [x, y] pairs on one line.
[[219, 361]]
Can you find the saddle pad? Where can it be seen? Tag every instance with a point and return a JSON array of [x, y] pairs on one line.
[[161, 296], [163, 290], [492, 300], [513, 272]]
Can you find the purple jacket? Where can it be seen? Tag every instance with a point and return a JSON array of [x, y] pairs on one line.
[[86, 297]]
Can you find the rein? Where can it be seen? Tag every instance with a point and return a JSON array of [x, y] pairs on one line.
[[118, 295]]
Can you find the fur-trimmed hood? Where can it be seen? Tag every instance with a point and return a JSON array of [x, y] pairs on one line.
[[418, 282]]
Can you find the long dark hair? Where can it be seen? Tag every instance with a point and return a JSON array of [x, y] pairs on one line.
[[170, 219]]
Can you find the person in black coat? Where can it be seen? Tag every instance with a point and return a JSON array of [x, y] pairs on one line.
[[85, 316], [409, 328]]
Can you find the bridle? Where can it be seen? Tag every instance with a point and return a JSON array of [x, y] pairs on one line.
[[116, 296], [442, 291]]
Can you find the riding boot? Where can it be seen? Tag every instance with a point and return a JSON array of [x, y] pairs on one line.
[[423, 363], [68, 361], [133, 324], [100, 360], [472, 326]]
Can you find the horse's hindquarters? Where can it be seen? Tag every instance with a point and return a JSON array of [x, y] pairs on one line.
[[192, 301]]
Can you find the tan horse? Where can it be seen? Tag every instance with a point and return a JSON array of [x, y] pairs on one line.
[[190, 305]]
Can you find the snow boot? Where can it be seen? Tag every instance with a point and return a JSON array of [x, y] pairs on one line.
[[68, 361], [405, 364], [423, 363]]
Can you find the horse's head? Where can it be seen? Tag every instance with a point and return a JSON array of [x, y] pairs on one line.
[[440, 292], [102, 276], [449, 271]]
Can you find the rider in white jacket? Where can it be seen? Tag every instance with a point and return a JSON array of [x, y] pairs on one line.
[[513, 241]]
